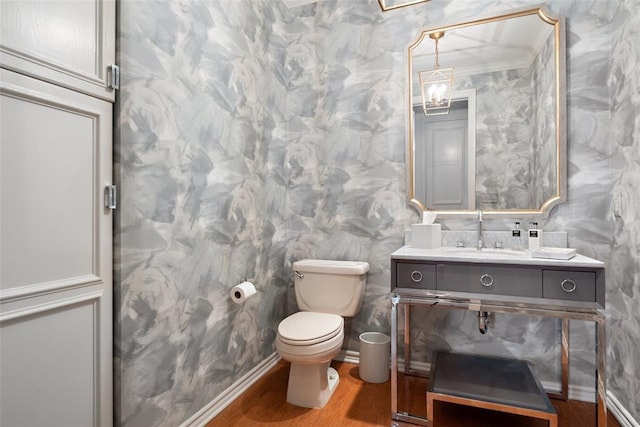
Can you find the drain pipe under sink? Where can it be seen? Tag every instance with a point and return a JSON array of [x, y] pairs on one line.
[[483, 321]]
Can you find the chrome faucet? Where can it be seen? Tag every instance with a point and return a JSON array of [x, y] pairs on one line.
[[480, 242]]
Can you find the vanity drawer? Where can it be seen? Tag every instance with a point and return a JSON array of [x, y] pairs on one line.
[[569, 285], [416, 275], [490, 279]]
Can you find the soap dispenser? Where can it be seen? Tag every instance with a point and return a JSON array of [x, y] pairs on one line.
[[535, 237], [516, 237]]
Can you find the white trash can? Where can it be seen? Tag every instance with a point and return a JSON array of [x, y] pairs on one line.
[[375, 350]]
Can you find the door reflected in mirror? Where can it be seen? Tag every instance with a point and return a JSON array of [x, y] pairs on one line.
[[501, 148], [445, 158]]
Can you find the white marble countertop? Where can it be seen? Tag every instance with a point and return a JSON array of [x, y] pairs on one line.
[[495, 256]]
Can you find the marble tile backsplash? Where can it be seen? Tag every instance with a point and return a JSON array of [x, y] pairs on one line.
[[553, 239]]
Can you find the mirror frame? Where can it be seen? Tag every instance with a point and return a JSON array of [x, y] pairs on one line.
[[561, 121], [385, 7]]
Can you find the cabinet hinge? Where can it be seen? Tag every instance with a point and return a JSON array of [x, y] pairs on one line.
[[110, 197], [113, 77]]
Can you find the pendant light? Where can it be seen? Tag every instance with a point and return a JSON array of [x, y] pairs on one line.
[[436, 85]]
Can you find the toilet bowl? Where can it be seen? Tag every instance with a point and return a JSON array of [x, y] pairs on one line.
[[307, 337], [310, 339]]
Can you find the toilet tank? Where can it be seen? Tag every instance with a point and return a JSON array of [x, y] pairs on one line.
[[335, 287]]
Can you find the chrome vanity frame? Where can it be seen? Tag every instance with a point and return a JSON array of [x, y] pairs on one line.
[[560, 309]]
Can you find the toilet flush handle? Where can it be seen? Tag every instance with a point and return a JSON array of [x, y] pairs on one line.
[[300, 275]]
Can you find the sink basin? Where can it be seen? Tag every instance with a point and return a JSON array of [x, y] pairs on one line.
[[485, 252]]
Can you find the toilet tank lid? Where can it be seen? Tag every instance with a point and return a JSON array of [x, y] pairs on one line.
[[331, 266]]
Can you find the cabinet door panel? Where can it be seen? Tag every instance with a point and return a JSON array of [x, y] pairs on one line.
[[55, 256], [48, 366], [416, 276], [69, 43], [569, 285]]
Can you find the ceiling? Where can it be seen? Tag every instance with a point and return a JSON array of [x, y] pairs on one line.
[[495, 46], [499, 45]]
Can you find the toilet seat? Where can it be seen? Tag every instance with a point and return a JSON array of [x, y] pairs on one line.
[[310, 353], [307, 328]]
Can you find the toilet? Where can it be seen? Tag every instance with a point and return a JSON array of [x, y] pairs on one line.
[[309, 339]]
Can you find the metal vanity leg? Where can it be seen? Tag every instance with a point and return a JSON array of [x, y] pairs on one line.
[[398, 418], [407, 338], [564, 393], [394, 355], [564, 362], [601, 375]]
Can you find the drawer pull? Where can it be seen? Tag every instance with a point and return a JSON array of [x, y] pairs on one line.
[[568, 285], [486, 280], [416, 276]]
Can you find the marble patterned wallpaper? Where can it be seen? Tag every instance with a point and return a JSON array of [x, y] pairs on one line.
[[200, 149], [542, 185], [504, 114], [249, 136], [623, 294], [513, 127]]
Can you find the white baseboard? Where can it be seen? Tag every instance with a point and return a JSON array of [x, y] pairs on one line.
[[348, 356], [622, 415], [576, 392], [224, 399]]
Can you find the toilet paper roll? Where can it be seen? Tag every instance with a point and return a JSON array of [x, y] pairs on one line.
[[241, 292]]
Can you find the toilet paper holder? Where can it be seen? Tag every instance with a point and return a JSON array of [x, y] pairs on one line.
[[242, 291]]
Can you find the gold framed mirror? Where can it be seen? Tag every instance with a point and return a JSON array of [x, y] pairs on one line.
[[500, 145], [396, 4]]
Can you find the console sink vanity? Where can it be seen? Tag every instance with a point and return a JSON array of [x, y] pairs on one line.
[[496, 281], [474, 176]]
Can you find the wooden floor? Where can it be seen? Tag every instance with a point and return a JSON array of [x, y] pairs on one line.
[[356, 403]]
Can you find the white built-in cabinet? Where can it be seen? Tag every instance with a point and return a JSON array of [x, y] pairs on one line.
[[70, 43], [56, 345]]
